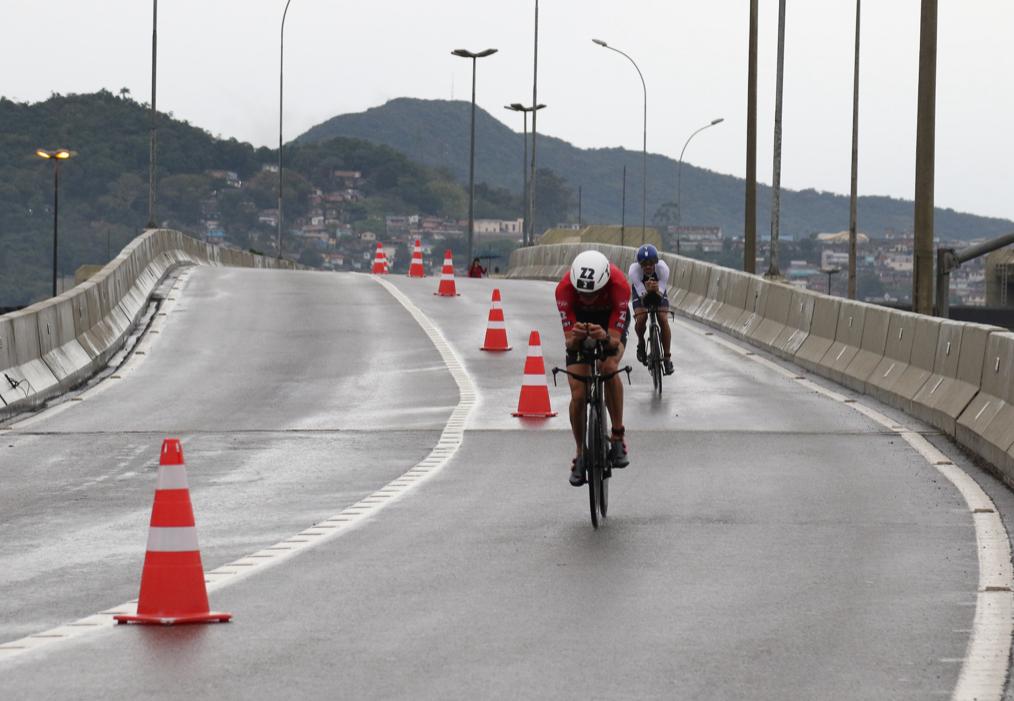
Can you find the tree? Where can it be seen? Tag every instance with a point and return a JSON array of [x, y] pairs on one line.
[[554, 200]]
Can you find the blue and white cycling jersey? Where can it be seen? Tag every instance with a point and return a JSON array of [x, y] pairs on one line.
[[637, 278]]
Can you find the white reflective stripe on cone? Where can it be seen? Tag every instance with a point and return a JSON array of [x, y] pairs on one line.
[[534, 381], [172, 477], [497, 305], [496, 325], [534, 351], [180, 539]]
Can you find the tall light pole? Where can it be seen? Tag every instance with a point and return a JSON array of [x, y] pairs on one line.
[[644, 149], [925, 155], [281, 65], [535, 101], [154, 117], [679, 179], [750, 205], [854, 195], [776, 176], [518, 107], [464, 53], [56, 156]]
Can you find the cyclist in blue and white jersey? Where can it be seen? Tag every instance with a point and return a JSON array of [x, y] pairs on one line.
[[649, 278]]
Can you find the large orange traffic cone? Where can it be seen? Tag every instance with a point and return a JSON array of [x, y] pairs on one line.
[[447, 287], [534, 399], [172, 581], [416, 268], [496, 330], [379, 261]]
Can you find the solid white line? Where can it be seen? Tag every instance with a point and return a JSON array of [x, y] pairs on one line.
[[983, 672], [328, 529]]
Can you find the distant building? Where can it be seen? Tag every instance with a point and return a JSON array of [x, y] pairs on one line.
[[231, 178], [510, 227], [268, 216], [698, 239]]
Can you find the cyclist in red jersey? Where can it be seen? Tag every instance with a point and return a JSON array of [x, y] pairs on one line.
[[592, 299]]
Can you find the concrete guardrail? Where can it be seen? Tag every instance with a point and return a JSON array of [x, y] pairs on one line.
[[55, 345], [955, 376]]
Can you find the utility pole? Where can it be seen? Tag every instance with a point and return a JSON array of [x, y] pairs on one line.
[[922, 271], [750, 225], [623, 208], [776, 176], [535, 101], [154, 117]]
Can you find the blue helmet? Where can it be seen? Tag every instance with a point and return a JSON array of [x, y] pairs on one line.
[[648, 253]]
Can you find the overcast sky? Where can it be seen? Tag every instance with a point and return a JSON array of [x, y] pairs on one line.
[[218, 68]]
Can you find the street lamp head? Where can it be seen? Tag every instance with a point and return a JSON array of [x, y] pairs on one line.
[[539, 106], [465, 53], [60, 154], [717, 121], [516, 106], [600, 42]]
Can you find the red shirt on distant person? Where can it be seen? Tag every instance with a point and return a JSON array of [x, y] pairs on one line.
[[476, 269]]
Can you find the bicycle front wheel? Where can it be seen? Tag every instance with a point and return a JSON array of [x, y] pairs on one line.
[[656, 360], [593, 461], [606, 470]]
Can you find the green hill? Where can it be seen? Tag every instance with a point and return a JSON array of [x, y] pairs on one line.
[[436, 132], [104, 188]]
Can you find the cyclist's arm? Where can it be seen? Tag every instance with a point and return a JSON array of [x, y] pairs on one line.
[[635, 277], [662, 270]]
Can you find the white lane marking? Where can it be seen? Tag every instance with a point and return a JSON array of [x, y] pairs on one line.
[[983, 672], [322, 532]]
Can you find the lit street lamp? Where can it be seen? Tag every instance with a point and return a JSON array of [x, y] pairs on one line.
[[56, 156], [644, 149], [679, 179], [518, 107], [464, 53]]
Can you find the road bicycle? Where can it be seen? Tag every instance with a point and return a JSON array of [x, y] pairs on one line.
[[655, 349], [595, 452]]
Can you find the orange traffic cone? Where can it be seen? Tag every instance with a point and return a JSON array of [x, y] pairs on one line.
[[496, 331], [416, 268], [447, 287], [534, 398], [379, 261], [172, 581]]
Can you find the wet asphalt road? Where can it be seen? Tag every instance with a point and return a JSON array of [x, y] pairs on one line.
[[766, 542]]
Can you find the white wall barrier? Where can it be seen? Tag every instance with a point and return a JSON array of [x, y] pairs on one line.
[[55, 345], [958, 377]]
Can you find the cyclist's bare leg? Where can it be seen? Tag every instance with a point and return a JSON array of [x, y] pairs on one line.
[[640, 323], [663, 322], [577, 400], [614, 389]]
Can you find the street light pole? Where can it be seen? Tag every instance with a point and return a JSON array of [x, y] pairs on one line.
[[925, 155], [854, 194], [750, 205], [644, 147], [154, 117], [281, 65], [679, 179], [535, 114], [518, 107], [464, 53], [55, 156], [776, 177]]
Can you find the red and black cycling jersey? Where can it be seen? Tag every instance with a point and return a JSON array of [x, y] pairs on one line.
[[607, 308]]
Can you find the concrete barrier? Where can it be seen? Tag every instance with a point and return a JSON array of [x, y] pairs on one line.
[[753, 311], [699, 275], [52, 346], [896, 356], [797, 324], [774, 316], [957, 375], [734, 302], [823, 326], [987, 424], [876, 322]]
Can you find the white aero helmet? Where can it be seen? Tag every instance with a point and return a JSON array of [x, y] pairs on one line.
[[589, 272]]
